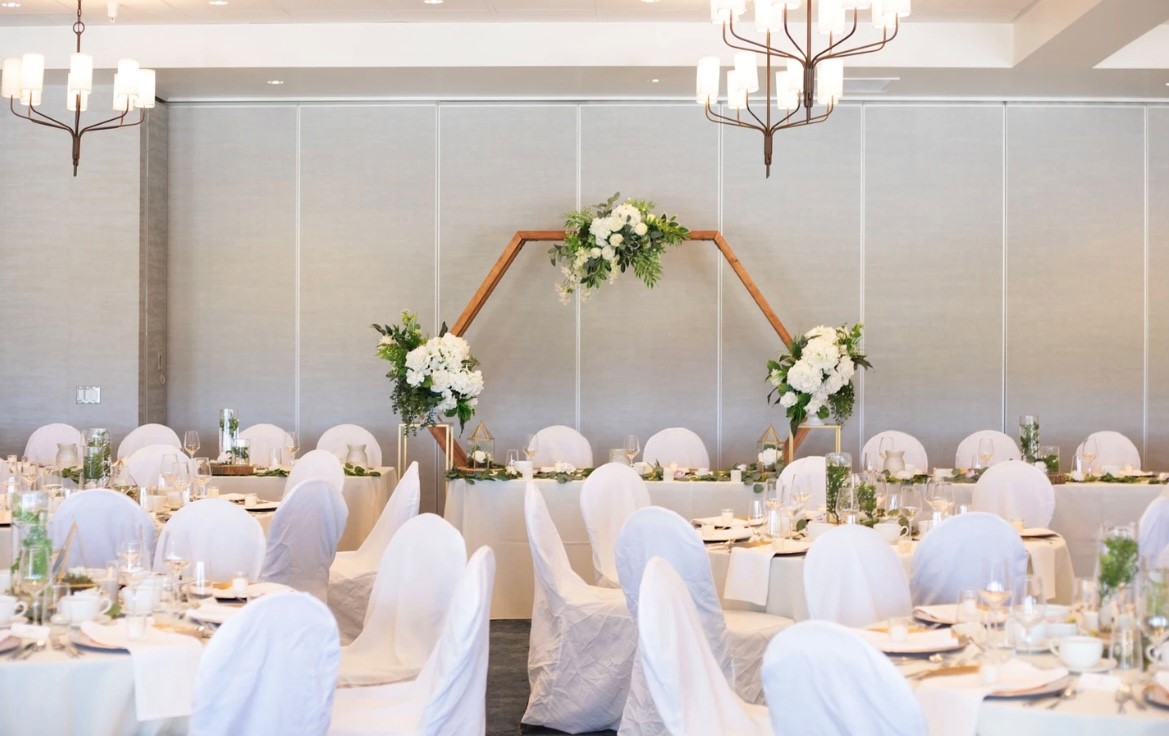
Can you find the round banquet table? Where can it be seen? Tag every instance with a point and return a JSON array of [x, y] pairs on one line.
[[52, 694]]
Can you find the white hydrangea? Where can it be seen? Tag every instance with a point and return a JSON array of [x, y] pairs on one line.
[[768, 457], [821, 332], [803, 377], [821, 354], [789, 399]]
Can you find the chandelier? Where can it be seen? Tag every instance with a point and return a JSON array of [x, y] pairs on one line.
[[23, 79], [807, 84]]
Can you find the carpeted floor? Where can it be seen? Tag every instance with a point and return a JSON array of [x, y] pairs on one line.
[[507, 680]]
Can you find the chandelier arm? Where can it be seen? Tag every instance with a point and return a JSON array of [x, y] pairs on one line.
[[810, 120], [762, 125], [104, 125], [826, 52], [803, 53], [866, 49], [714, 117], [781, 123], [46, 120], [730, 25]]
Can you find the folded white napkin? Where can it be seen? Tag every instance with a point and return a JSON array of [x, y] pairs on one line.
[[232, 496], [213, 613], [944, 613], [951, 703], [255, 590], [749, 575], [164, 667], [931, 640], [30, 631], [719, 522], [1043, 565]]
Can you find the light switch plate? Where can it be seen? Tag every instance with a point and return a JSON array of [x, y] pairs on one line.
[[88, 394]]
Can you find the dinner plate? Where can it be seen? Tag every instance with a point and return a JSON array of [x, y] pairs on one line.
[[1037, 533], [724, 535], [1051, 688], [907, 649], [1158, 696], [791, 547], [81, 639], [1104, 665], [263, 506]]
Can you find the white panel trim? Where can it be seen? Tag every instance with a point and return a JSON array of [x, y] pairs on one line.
[[296, 286], [863, 205], [577, 302], [1145, 271], [1005, 264], [718, 318]]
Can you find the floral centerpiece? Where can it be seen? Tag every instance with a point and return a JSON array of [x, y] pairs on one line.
[[604, 239], [813, 379], [432, 377]]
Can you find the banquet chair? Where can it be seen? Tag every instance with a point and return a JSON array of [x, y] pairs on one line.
[[1015, 490], [1005, 448], [824, 680], [316, 465], [218, 533], [946, 564], [448, 698], [145, 464], [907, 443], [736, 638], [812, 473], [580, 633], [561, 444], [1154, 529], [852, 576], [676, 445], [269, 671], [416, 580], [683, 676], [148, 434], [302, 540], [337, 440], [1114, 449], [351, 576], [42, 443], [263, 439], [607, 497], [104, 519]]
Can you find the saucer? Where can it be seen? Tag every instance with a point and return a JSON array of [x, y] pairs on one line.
[[1105, 664]]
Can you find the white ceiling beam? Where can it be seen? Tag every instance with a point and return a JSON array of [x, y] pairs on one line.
[[1079, 34]]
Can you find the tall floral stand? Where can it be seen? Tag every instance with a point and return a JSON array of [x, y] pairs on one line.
[[790, 445], [447, 444]]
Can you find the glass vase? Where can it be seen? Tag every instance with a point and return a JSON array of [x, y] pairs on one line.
[[838, 471], [1117, 565], [1029, 437], [228, 433], [95, 465], [356, 456]]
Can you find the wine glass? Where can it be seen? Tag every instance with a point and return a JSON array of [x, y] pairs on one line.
[[1090, 452], [176, 553], [532, 446], [292, 444], [202, 476], [191, 442], [167, 469], [632, 447], [181, 480], [513, 457], [1153, 611], [130, 554], [35, 573], [1028, 609], [847, 504], [941, 498], [985, 451], [996, 587], [30, 473], [910, 503], [52, 482]]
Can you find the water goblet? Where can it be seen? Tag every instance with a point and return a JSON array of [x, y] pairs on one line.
[[985, 451], [632, 447], [512, 457], [292, 444], [1028, 609], [191, 442], [1090, 452], [996, 588], [532, 446]]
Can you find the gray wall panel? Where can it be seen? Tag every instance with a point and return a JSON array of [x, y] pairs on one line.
[[1157, 453], [366, 253], [933, 272], [1075, 342], [232, 270], [648, 357], [798, 234], [152, 324]]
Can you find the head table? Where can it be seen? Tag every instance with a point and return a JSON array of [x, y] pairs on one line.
[[492, 513]]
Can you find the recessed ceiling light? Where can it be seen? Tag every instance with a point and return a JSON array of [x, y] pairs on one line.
[[432, 2], [275, 81], [655, 80], [649, 2], [9, 5], [217, 2]]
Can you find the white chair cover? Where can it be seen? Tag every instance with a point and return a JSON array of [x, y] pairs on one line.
[[580, 634], [416, 580], [302, 539], [561, 444], [853, 577], [145, 464], [946, 564], [448, 697], [104, 519], [825, 680], [608, 496], [907, 443], [1154, 529], [148, 434], [42, 443], [676, 445], [1015, 490], [316, 465], [337, 440], [264, 438], [269, 671], [1005, 448], [811, 472], [1114, 449], [220, 534], [680, 672], [352, 574], [658, 532]]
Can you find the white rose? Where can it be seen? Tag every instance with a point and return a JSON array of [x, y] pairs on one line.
[[768, 456], [641, 228], [789, 399], [616, 239], [595, 253], [607, 252], [480, 456], [616, 223]]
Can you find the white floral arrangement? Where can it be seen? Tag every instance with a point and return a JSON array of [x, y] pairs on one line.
[[813, 378], [769, 457], [604, 240], [433, 377]]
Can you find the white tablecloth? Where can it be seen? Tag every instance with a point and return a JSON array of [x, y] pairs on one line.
[[1080, 509], [492, 513]]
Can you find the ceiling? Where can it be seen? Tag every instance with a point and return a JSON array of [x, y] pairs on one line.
[[587, 49]]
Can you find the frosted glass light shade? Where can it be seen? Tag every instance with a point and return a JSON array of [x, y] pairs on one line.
[[736, 92], [146, 82], [795, 75], [829, 81], [10, 78], [71, 101], [32, 72], [747, 70], [708, 80], [80, 73], [787, 98]]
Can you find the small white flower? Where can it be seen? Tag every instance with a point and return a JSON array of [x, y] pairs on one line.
[[903, 475], [768, 457], [607, 252], [641, 228], [480, 456], [789, 399], [595, 253]]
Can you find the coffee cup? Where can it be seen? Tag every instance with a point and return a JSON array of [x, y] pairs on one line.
[[890, 531], [527, 472], [10, 608], [1078, 652], [79, 608], [251, 500]]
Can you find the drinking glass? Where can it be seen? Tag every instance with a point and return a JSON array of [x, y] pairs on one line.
[[532, 446], [202, 476], [1126, 651], [632, 447], [967, 610], [985, 451], [191, 442], [52, 482], [200, 588], [1090, 452], [513, 457], [910, 503], [292, 444], [30, 473], [1029, 609], [167, 469], [182, 478], [996, 586], [756, 516], [130, 555], [176, 552], [1153, 610], [872, 467], [847, 504], [35, 573], [1086, 605], [941, 497]]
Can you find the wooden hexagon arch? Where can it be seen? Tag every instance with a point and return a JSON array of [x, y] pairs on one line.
[[523, 237]]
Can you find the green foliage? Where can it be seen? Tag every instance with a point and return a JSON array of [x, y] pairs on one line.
[[1118, 564], [360, 471]]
